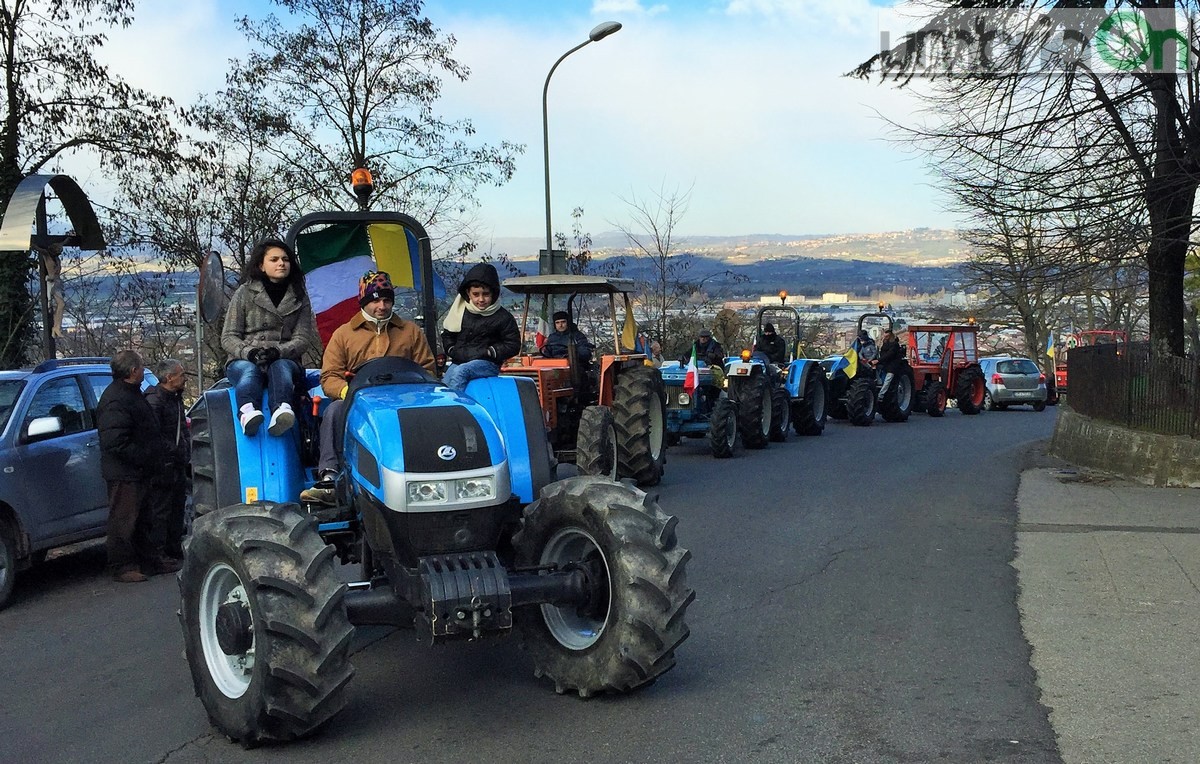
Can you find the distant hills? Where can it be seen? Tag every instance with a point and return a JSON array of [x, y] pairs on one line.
[[914, 247], [920, 261]]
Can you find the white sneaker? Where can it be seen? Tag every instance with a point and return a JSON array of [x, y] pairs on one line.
[[251, 418], [282, 419]]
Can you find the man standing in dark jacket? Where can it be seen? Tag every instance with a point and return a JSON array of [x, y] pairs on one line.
[[478, 333], [168, 492], [131, 452]]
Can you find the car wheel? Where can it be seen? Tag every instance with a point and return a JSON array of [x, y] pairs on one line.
[[8, 564], [1039, 406]]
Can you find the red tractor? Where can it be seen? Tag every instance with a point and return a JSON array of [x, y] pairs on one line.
[[1086, 338], [945, 363]]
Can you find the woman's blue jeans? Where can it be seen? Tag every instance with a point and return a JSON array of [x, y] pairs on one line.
[[281, 380], [459, 374]]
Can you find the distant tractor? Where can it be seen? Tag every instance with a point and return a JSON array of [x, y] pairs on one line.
[[608, 417], [855, 385], [1085, 338], [704, 411], [945, 364], [799, 390]]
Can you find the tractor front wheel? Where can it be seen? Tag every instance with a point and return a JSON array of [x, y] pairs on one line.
[[640, 416], [808, 413], [860, 401], [264, 622], [722, 429], [935, 398], [596, 443], [898, 400], [625, 635], [754, 411], [970, 390], [781, 414]]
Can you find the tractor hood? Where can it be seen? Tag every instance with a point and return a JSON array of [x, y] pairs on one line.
[[424, 448]]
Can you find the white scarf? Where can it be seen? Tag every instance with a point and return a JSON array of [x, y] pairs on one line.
[[380, 323], [454, 315]]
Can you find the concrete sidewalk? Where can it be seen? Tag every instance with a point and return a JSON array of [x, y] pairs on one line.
[[1109, 575]]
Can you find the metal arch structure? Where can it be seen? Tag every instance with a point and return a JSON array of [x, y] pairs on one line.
[[23, 208], [26, 207]]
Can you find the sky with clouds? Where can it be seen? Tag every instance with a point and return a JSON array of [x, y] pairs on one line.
[[741, 101]]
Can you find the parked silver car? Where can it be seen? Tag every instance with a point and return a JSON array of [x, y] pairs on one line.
[[1012, 382]]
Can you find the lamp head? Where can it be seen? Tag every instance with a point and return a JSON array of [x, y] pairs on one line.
[[363, 184], [600, 31]]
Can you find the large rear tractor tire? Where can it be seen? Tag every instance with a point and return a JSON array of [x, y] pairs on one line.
[[809, 413], [640, 415], [860, 401], [970, 390], [596, 443], [781, 415], [264, 622], [935, 398], [754, 411], [897, 402], [722, 429], [626, 635]]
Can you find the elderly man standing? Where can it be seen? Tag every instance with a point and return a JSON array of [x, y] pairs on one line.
[[168, 492], [131, 452]]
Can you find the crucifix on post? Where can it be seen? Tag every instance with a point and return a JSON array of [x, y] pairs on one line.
[[28, 205]]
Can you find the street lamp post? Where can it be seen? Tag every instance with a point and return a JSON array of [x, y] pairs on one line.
[[599, 32]]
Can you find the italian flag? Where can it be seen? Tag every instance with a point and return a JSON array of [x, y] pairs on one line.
[[692, 380], [542, 330], [335, 258]]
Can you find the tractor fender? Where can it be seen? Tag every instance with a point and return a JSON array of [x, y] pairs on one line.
[[796, 373], [268, 468]]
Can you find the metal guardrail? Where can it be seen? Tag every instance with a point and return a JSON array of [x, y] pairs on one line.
[[1127, 384]]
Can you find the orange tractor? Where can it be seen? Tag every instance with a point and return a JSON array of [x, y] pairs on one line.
[[945, 363], [1086, 338], [608, 417]]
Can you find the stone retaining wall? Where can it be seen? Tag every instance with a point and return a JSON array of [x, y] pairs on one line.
[[1161, 460]]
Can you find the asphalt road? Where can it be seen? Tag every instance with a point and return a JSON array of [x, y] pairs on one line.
[[855, 603]]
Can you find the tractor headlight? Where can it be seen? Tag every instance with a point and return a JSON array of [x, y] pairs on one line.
[[475, 488], [426, 492], [684, 399]]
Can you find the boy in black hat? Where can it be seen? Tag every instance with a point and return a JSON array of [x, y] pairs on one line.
[[478, 333], [565, 332]]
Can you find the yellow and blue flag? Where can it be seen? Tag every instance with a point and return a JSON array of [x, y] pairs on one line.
[[1050, 345]]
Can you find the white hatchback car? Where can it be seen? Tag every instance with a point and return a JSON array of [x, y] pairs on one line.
[[1012, 382]]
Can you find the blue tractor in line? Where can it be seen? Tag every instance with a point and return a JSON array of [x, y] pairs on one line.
[[797, 384], [855, 386], [449, 503]]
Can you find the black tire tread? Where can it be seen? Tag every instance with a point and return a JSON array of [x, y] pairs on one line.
[[296, 596], [722, 429], [860, 401], [594, 442], [650, 592], [637, 389], [751, 408], [963, 391], [809, 418]]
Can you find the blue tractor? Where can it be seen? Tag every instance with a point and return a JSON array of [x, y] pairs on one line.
[[700, 411], [448, 502], [798, 387], [855, 386]]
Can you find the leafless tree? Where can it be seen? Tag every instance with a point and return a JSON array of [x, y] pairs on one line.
[[1059, 118]]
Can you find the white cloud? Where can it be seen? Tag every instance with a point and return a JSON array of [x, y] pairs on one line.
[[632, 7]]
